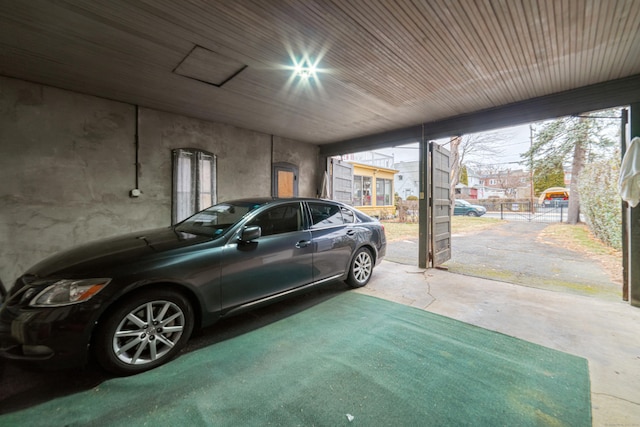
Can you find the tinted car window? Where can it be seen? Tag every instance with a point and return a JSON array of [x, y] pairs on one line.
[[279, 219], [215, 220], [347, 215], [325, 214]]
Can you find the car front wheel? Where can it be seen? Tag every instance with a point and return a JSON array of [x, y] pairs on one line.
[[361, 268], [143, 332], [472, 213]]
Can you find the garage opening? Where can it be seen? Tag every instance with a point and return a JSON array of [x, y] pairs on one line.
[[509, 215], [372, 191]]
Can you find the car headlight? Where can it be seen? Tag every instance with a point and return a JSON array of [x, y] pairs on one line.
[[65, 292]]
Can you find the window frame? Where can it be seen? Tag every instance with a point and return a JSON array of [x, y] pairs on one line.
[[340, 209], [283, 167], [385, 184], [196, 188], [257, 219], [362, 199]]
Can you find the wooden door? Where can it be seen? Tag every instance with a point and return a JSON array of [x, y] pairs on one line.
[[284, 180], [285, 183], [440, 205]]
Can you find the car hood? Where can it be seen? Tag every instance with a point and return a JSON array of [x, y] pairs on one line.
[[104, 255]]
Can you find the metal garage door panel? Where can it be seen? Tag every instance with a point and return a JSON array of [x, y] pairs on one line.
[[440, 205]]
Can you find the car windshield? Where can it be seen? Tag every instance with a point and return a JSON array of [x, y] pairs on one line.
[[216, 220], [463, 202]]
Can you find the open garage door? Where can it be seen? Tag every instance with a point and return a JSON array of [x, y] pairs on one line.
[[341, 181], [440, 205]]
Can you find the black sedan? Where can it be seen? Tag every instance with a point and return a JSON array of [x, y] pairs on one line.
[[132, 301]]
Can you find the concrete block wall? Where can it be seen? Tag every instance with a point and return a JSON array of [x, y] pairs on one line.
[[67, 164]]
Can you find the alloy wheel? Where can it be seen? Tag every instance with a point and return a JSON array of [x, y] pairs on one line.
[[148, 332], [362, 266]]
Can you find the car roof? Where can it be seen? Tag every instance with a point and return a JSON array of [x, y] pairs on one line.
[[260, 202], [269, 200]]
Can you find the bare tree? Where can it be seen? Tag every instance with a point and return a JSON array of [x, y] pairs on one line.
[[506, 178], [476, 148], [471, 150], [454, 174]]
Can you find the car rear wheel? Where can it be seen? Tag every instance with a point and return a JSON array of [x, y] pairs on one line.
[[143, 332], [361, 268]]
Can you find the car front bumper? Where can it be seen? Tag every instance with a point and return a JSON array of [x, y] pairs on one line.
[[56, 336]]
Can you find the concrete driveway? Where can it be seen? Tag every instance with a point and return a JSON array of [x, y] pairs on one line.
[[514, 252]]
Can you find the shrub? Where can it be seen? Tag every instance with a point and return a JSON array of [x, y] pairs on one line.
[[600, 201], [407, 210]]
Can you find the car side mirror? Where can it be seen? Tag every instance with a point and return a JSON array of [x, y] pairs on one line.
[[250, 233]]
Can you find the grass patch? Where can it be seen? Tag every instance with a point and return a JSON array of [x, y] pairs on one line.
[[468, 224], [577, 237], [459, 224], [400, 230]]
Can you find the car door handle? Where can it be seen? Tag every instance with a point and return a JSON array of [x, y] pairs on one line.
[[351, 232], [303, 243]]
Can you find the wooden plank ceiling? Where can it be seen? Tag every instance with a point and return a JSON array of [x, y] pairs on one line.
[[382, 65]]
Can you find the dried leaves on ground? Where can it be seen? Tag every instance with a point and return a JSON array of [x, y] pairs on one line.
[[578, 238]]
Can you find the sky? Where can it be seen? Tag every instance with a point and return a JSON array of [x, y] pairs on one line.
[[516, 141]]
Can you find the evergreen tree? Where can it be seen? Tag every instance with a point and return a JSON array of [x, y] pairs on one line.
[[573, 140], [547, 178], [464, 175]]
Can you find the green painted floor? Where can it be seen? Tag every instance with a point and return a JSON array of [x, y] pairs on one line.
[[351, 360]]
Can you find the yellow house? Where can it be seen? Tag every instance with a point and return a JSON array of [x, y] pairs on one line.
[[373, 191]]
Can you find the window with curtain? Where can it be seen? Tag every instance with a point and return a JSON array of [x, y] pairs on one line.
[[194, 182]]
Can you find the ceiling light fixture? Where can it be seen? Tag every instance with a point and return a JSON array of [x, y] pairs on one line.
[[305, 69], [304, 72]]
